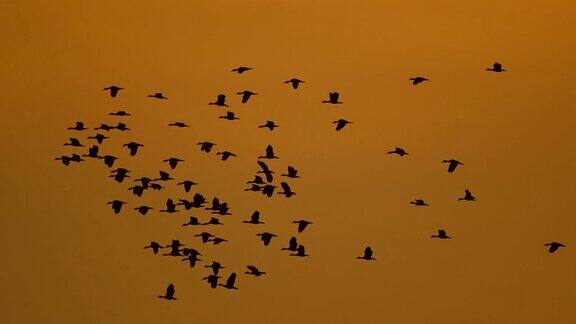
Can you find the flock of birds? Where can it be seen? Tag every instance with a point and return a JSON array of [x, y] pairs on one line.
[[262, 182]]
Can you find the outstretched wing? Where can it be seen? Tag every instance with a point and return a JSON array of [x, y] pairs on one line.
[[231, 280], [334, 96], [263, 166]]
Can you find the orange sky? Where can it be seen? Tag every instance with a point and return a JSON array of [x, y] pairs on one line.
[[69, 259]]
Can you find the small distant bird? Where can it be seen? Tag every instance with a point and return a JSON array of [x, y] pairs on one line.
[[246, 94], [157, 95], [74, 142], [295, 82], [301, 252], [418, 79], [419, 202], [113, 90], [292, 244], [269, 124], [206, 146], [215, 266], [265, 170], [241, 69], [452, 164], [496, 67], [268, 190], [254, 271], [145, 181], [199, 200], [192, 222], [155, 246], [340, 123], [104, 127], [120, 113], [254, 219], [467, 196], [266, 237], [254, 187], [192, 257], [226, 155], [187, 185], [213, 221], [399, 151], [287, 191], [367, 254], [178, 124], [292, 173], [217, 240], [333, 98], [79, 126], [93, 152], [121, 127], [137, 190], [170, 207], [116, 205], [220, 101], [302, 224], [230, 282], [212, 280], [108, 160], [229, 116], [156, 186], [143, 209], [553, 246], [65, 159], [205, 237], [173, 162], [169, 293], [98, 137], [174, 248], [257, 179], [119, 174], [164, 176], [441, 235], [133, 147], [215, 204], [269, 153]]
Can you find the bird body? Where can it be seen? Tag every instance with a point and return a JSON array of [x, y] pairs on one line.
[[157, 95], [367, 254], [169, 293], [553, 246], [341, 123], [295, 82], [113, 90], [246, 94], [398, 151], [418, 79], [452, 164], [269, 124], [241, 69], [496, 67], [333, 98], [441, 235]]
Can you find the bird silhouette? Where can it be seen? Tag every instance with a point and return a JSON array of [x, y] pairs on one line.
[[174, 248], [441, 235], [192, 222], [419, 202], [340, 123], [157, 95], [254, 218], [178, 124], [215, 266], [254, 187], [121, 127], [333, 98], [116, 205], [143, 209], [215, 205], [119, 174], [496, 67], [173, 162], [292, 173], [156, 186], [269, 124], [145, 181], [206, 146], [230, 282], [108, 160], [104, 127], [553, 246], [133, 147], [254, 271], [241, 69], [192, 258], [170, 207], [74, 142], [79, 126], [287, 191], [92, 152], [266, 237], [169, 293], [226, 155], [467, 196], [229, 116], [113, 90], [137, 190], [155, 246], [269, 153], [452, 164], [292, 244], [268, 190], [295, 82], [367, 254], [257, 179], [302, 224], [187, 185], [212, 280], [301, 252], [399, 151], [98, 137], [213, 221], [164, 176], [220, 101], [120, 113], [417, 80], [246, 94], [205, 236], [217, 240], [265, 170], [65, 159]]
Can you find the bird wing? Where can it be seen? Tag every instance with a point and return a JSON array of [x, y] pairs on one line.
[[231, 279], [252, 268], [285, 186], [263, 166], [441, 232], [334, 96], [497, 66], [170, 290], [269, 150], [368, 252], [452, 166]]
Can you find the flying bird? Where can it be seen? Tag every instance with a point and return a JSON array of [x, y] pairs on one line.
[[205, 237], [212, 280], [301, 252], [254, 218], [441, 235], [265, 170], [553, 246], [292, 244], [226, 155], [269, 124], [92, 152], [229, 116], [268, 190], [137, 190], [452, 164], [113, 90], [399, 151], [169, 293], [287, 191], [302, 224], [257, 179], [467, 196], [164, 176], [340, 123], [417, 80], [367, 254], [192, 258], [230, 282], [133, 147], [121, 127], [74, 142], [108, 160], [79, 126], [217, 240], [295, 82], [187, 184], [155, 246], [120, 113], [192, 222], [496, 67], [104, 127], [206, 146], [269, 153], [143, 209], [213, 221], [170, 207], [116, 205], [419, 202], [157, 95], [333, 98], [292, 173], [173, 162], [254, 271], [241, 69], [98, 137], [266, 237], [215, 266], [246, 94], [178, 124], [220, 101]]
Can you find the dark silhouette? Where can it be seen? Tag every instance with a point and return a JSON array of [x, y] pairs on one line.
[[212, 280], [137, 190], [230, 282], [192, 222], [441, 235], [65, 159], [157, 95], [295, 82], [143, 209], [192, 258], [78, 127], [164, 176], [265, 170], [269, 153], [119, 174], [302, 224], [254, 219], [254, 271], [93, 152], [467, 196], [104, 127], [215, 204], [367, 254], [205, 236], [268, 190], [178, 124], [292, 173], [215, 266], [226, 155], [229, 116], [156, 186], [169, 293], [116, 205], [292, 244], [269, 124], [170, 207], [220, 101], [496, 67], [121, 127], [174, 248], [98, 137], [108, 160], [266, 237], [340, 123], [333, 98], [217, 240], [173, 162], [254, 187], [419, 202], [418, 79], [246, 94], [74, 142], [398, 151], [133, 147], [213, 221], [155, 246], [113, 90], [187, 185], [301, 252], [241, 69], [452, 164], [206, 146], [553, 246], [257, 179], [287, 191], [120, 113], [145, 181]]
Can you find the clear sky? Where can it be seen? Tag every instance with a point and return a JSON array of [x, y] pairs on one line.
[[68, 259]]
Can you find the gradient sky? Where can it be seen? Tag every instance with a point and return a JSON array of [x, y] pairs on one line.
[[68, 259]]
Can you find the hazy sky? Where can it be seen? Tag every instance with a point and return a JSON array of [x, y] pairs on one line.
[[68, 259]]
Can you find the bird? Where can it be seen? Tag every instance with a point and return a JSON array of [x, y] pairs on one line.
[[553, 246], [215, 204], [226, 155], [418, 79], [292, 244], [265, 170], [164, 176], [302, 224], [187, 204], [367, 254], [170, 207], [104, 127], [92, 152], [215, 266], [192, 222], [220, 101], [452, 164], [496, 67], [212, 280], [155, 246], [187, 185], [143, 209], [121, 127], [269, 124], [116, 205], [108, 160], [120, 113], [246, 94], [268, 190], [173, 162], [292, 173], [74, 142], [133, 147], [192, 258], [269, 153], [340, 123], [198, 200], [241, 69], [213, 221], [217, 240], [156, 186], [206, 146], [113, 90], [223, 210], [230, 282], [79, 126], [145, 181], [178, 124], [254, 271], [266, 237], [169, 293], [137, 190], [205, 236], [254, 187], [287, 191], [157, 95], [229, 116], [441, 235], [333, 98], [174, 248], [254, 218], [119, 174], [76, 158], [467, 196], [301, 252], [65, 159], [295, 82], [419, 202], [257, 179], [98, 137], [399, 151]]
